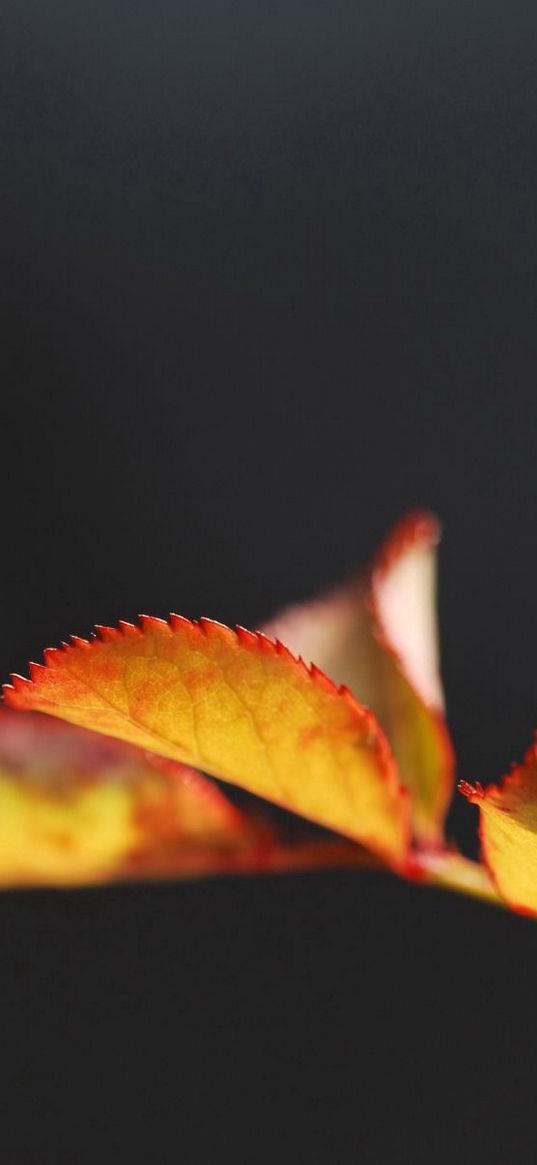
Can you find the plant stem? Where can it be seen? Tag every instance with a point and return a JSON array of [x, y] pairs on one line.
[[451, 871], [445, 869]]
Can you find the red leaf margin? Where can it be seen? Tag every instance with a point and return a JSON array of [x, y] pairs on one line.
[[16, 694]]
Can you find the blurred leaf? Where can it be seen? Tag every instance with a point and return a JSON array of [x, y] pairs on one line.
[[76, 807], [378, 636]]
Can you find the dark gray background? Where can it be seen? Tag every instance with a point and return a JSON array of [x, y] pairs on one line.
[[268, 279]]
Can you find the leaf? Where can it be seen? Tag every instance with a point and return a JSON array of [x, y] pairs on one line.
[[78, 808], [450, 870], [508, 831], [241, 708], [378, 636]]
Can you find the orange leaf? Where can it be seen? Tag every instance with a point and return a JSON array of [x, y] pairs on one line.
[[378, 636], [78, 808], [238, 706], [508, 831]]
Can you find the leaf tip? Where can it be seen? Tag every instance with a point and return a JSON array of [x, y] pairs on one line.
[[473, 793], [417, 528]]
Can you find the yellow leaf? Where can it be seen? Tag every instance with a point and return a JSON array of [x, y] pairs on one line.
[[241, 708], [508, 831], [378, 636], [77, 808]]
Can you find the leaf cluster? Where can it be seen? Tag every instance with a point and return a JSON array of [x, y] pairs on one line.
[[334, 712]]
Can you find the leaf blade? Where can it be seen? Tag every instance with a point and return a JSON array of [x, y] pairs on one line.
[[377, 634], [508, 832], [238, 706]]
